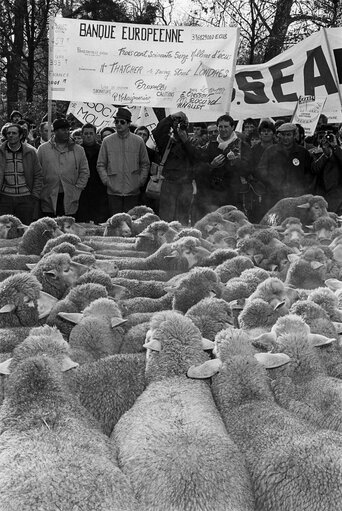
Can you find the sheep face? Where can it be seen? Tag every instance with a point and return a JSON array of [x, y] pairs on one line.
[[123, 230]]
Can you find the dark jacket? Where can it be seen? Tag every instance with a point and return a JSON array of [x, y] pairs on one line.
[[328, 171], [31, 166], [285, 173], [182, 156]]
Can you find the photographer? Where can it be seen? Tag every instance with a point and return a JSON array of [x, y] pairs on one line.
[[328, 170], [176, 190]]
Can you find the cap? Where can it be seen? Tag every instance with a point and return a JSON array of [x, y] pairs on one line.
[[287, 126], [123, 113], [60, 124], [16, 112]]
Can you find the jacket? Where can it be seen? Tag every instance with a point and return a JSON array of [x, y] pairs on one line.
[[123, 164], [68, 169], [328, 171], [31, 166]]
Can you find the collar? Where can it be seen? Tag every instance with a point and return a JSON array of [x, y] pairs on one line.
[[123, 136], [20, 148], [70, 145], [223, 144]]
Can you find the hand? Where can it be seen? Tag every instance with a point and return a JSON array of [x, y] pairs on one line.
[[183, 135], [327, 149], [231, 155], [218, 161]]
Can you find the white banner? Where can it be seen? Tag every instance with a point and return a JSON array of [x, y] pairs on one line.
[[307, 113], [101, 115], [142, 65], [312, 67]]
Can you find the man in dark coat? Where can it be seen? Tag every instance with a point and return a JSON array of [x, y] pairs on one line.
[[93, 203], [285, 167]]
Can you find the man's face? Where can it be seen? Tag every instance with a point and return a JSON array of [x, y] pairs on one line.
[[62, 135], [142, 134], [197, 131], [121, 126], [286, 138], [88, 136], [248, 128], [212, 133], [225, 129], [13, 136], [266, 135], [44, 133]]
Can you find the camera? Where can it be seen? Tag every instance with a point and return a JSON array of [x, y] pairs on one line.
[[182, 125], [329, 136]]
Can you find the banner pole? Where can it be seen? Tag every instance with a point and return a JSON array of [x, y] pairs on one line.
[[50, 72], [231, 82], [333, 65]]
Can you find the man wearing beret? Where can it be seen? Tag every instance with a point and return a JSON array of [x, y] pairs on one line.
[[285, 167], [65, 172], [123, 165]]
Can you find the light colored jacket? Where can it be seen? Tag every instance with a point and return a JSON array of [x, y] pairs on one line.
[[68, 169], [123, 164]]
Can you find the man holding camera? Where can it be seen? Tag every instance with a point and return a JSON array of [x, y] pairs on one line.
[[178, 174], [328, 170]]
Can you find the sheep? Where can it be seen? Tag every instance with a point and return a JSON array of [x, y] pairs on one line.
[[97, 332], [258, 315], [233, 268], [57, 273], [17, 261], [148, 288], [139, 211], [195, 233], [119, 224], [77, 299], [308, 271], [282, 452], [219, 256], [144, 304], [154, 235], [210, 315], [38, 233], [328, 301], [144, 275], [68, 225], [53, 455], [69, 238], [239, 288], [140, 224], [11, 227], [307, 208], [172, 443], [108, 387], [212, 222], [22, 302], [302, 386], [97, 276], [221, 239], [273, 291], [324, 227]]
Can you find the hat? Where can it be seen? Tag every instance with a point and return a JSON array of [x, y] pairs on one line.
[[123, 113], [16, 112], [287, 126], [60, 124]]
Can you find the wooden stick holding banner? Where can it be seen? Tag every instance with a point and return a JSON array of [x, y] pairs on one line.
[[334, 67], [232, 76], [50, 72]]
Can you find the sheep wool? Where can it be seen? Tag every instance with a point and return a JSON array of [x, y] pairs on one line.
[[172, 443]]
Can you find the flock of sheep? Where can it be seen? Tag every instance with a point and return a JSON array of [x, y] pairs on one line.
[[148, 366]]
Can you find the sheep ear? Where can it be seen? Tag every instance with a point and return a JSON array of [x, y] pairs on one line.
[[212, 294], [45, 304], [114, 322], [258, 258], [118, 291], [5, 366], [292, 257], [146, 235], [278, 305], [273, 267], [68, 364], [47, 233], [50, 273], [333, 284], [310, 227], [205, 370], [30, 266], [318, 340], [153, 345], [73, 317], [207, 344], [171, 255], [272, 360], [9, 307], [316, 264], [237, 305], [304, 206]]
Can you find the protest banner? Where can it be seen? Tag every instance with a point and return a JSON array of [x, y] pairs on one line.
[[312, 67], [101, 115], [307, 112], [142, 65]]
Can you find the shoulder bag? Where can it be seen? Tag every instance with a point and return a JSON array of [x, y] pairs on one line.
[[154, 184]]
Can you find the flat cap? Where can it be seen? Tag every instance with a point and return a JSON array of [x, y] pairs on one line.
[[60, 124], [287, 126]]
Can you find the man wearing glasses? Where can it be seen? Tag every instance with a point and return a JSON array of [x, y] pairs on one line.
[[123, 165], [21, 177]]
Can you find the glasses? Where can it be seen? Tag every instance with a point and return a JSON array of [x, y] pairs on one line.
[[119, 121]]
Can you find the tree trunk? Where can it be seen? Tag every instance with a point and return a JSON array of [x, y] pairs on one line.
[[281, 23], [14, 58]]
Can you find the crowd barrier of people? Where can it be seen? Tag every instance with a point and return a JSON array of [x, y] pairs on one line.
[[93, 174]]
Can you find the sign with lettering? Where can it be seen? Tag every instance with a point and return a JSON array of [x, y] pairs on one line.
[[307, 113], [312, 67], [158, 66], [101, 115]]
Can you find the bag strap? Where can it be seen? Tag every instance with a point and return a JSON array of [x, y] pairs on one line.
[[166, 153]]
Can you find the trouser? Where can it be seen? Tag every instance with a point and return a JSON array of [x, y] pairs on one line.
[[175, 201], [59, 208], [22, 207], [121, 203]]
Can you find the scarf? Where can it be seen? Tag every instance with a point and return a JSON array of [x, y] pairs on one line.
[[223, 144]]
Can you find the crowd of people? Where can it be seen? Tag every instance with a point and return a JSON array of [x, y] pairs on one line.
[[91, 174]]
